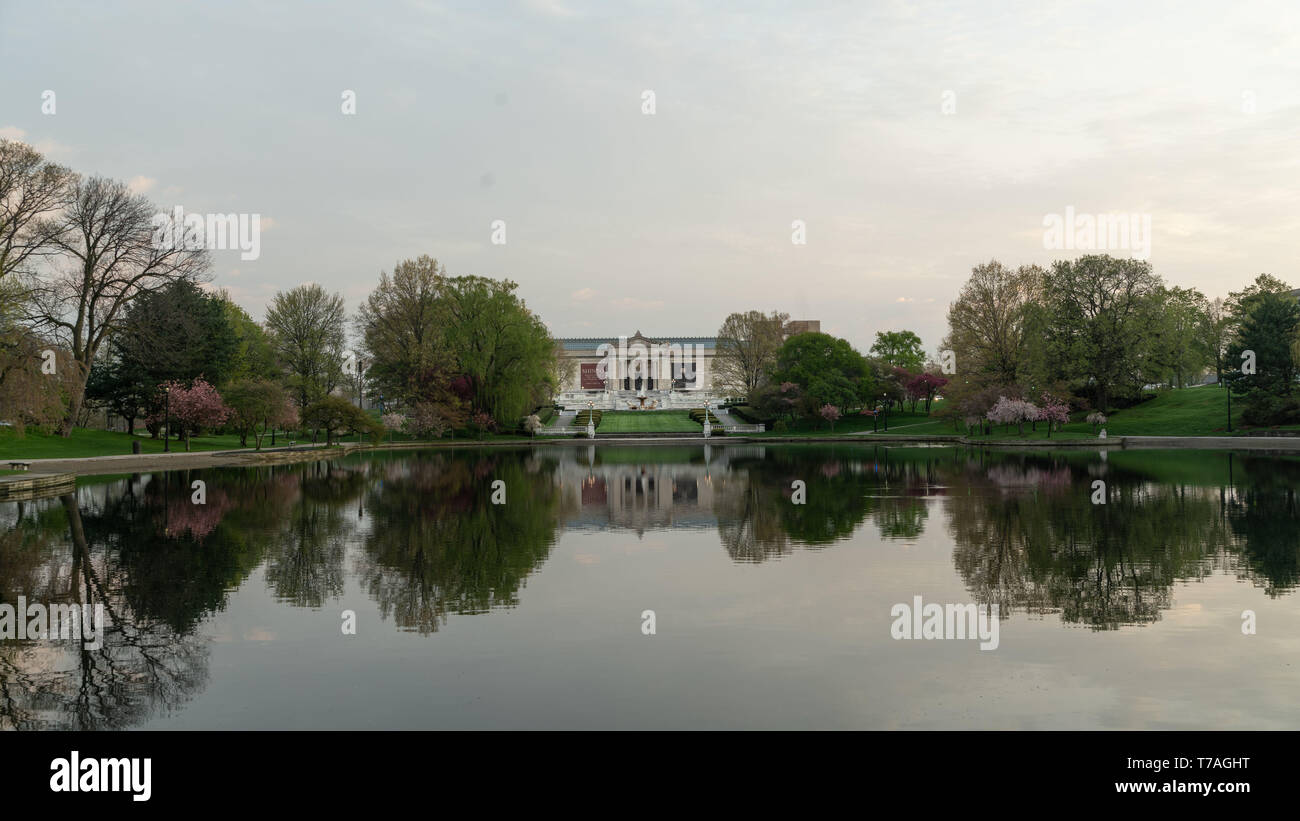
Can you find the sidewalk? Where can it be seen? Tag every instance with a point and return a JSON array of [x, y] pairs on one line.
[[176, 460]]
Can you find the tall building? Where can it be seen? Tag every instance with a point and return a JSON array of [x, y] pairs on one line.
[[802, 326]]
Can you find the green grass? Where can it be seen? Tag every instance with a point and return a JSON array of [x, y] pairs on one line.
[[647, 422], [1201, 411], [84, 442], [853, 423]]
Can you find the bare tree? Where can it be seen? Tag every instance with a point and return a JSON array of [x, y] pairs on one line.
[[31, 190], [107, 255], [746, 349]]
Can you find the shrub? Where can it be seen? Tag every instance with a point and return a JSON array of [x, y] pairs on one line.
[[780, 426], [750, 414], [697, 416], [1263, 409]]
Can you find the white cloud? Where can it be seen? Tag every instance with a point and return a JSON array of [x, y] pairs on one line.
[[141, 184]]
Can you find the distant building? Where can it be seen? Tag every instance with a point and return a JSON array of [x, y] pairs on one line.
[[645, 372], [802, 326]]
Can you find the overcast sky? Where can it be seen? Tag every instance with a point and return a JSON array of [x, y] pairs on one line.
[[830, 113]]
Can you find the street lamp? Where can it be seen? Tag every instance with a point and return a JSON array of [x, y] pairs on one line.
[[1228, 386], [885, 405], [167, 437], [591, 419]]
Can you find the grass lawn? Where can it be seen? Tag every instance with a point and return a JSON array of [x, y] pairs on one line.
[[848, 424], [84, 442], [1201, 411], [648, 422]]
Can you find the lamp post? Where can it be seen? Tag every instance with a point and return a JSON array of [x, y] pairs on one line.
[[708, 429], [1229, 392], [591, 419], [885, 405], [167, 437]]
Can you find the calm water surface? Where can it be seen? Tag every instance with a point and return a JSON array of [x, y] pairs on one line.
[[528, 614]]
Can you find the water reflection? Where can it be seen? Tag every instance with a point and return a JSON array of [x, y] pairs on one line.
[[419, 534]]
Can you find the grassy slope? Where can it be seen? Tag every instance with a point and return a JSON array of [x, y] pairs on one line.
[[849, 424], [647, 421], [84, 442], [1187, 412]]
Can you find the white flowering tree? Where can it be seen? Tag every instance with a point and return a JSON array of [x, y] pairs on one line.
[[1012, 412]]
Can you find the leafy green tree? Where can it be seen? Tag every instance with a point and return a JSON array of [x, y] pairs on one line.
[[989, 324], [1215, 334], [501, 347], [901, 349], [827, 369], [254, 354], [1266, 335], [255, 405], [1177, 326], [306, 327], [1097, 320], [124, 387], [402, 326], [177, 333], [334, 413]]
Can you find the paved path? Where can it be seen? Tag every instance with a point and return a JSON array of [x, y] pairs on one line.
[[176, 460]]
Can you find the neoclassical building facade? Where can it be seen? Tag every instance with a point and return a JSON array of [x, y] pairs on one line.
[[645, 371], [637, 364]]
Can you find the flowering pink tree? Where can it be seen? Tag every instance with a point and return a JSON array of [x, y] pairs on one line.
[[1053, 412], [483, 422], [197, 406], [830, 413], [288, 417], [924, 386], [1012, 412]]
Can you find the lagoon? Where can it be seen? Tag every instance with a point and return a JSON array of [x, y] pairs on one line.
[[767, 613]]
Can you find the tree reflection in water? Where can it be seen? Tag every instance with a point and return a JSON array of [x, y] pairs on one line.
[[419, 533]]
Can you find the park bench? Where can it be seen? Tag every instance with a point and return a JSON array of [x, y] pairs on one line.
[[20, 465]]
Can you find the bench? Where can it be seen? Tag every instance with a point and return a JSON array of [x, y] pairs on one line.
[[20, 465]]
